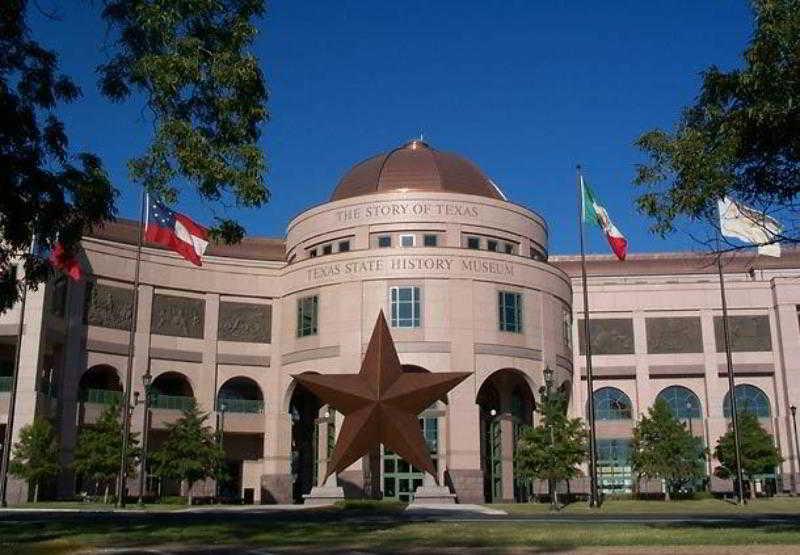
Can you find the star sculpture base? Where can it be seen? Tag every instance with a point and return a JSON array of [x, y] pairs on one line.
[[326, 494], [381, 404], [430, 493]]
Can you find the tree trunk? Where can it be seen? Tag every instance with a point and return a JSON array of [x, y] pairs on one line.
[[36, 492], [555, 495], [189, 496], [105, 495], [666, 491], [752, 489]]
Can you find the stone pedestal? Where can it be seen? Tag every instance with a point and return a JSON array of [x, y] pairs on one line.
[[326, 494], [429, 493]]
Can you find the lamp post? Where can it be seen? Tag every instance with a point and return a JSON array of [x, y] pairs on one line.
[[796, 448], [146, 382], [548, 385]]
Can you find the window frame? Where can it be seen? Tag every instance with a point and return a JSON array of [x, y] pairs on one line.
[[612, 413], [327, 249], [312, 328], [430, 236], [344, 243], [405, 236], [475, 238], [502, 308], [395, 302], [492, 245], [388, 240]]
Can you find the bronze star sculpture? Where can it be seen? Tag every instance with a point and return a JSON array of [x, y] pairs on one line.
[[380, 404]]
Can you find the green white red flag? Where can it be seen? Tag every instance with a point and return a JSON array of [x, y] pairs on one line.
[[594, 213]]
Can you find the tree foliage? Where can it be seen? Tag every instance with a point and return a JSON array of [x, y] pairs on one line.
[[98, 450], [740, 138], [759, 455], [664, 449], [34, 458], [554, 448], [191, 451], [205, 91], [46, 190]]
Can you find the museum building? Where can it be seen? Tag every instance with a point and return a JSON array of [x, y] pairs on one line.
[[466, 282]]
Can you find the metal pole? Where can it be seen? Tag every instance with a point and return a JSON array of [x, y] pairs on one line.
[[594, 499], [731, 384], [12, 400], [126, 424], [145, 434], [796, 448]]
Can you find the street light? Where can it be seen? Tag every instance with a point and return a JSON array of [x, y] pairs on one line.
[[146, 382], [796, 449], [548, 385]]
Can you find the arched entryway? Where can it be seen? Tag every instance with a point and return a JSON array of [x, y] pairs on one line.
[[506, 404], [100, 384], [305, 410], [173, 391]]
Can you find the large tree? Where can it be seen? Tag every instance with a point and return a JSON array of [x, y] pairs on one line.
[[759, 455], [34, 457], [204, 95], [665, 450], [740, 138], [191, 452], [98, 449], [46, 190], [554, 448]]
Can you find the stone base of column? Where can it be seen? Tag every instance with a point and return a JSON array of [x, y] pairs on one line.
[[430, 493], [326, 494]]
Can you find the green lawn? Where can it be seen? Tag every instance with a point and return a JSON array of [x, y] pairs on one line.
[[63, 537], [331, 527], [699, 506]]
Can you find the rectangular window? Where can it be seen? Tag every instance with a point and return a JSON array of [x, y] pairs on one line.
[[344, 246], [510, 311], [312, 253], [327, 249], [430, 240], [405, 307], [307, 309], [406, 240], [509, 248], [384, 241], [473, 243]]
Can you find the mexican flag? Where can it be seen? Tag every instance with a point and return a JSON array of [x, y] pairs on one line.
[[592, 212]]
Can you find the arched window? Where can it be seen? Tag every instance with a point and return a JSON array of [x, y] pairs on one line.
[[682, 401], [240, 394], [750, 399], [612, 404]]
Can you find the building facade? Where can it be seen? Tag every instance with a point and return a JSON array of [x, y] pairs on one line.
[[466, 283]]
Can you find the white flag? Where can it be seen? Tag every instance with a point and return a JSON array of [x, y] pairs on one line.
[[751, 226]]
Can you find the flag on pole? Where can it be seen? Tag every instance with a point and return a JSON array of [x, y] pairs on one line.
[[65, 261], [175, 231], [749, 225], [592, 212]]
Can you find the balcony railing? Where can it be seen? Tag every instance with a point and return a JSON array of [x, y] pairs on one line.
[[171, 402], [5, 383], [241, 405], [101, 396]]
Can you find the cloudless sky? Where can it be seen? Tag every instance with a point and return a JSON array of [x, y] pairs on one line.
[[526, 89]]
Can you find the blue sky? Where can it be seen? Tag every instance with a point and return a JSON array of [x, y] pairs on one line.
[[526, 89]]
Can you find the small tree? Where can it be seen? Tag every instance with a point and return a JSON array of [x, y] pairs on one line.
[[191, 451], [664, 449], [34, 457], [552, 450], [97, 453], [758, 452]]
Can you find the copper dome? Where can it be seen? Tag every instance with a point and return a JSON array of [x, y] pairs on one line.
[[415, 166]]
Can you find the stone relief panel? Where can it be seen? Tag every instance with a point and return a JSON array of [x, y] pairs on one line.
[[610, 336], [178, 316], [747, 333], [674, 335], [246, 322], [108, 306]]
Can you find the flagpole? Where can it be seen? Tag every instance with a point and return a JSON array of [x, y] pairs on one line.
[[126, 402], [731, 384], [12, 400], [594, 499]]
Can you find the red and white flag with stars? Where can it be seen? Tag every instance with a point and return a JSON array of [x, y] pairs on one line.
[[175, 231]]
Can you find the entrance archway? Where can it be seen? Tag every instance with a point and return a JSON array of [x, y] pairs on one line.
[[101, 385], [506, 404], [304, 411]]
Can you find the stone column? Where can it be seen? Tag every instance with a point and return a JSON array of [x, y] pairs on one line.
[[330, 491], [140, 366]]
